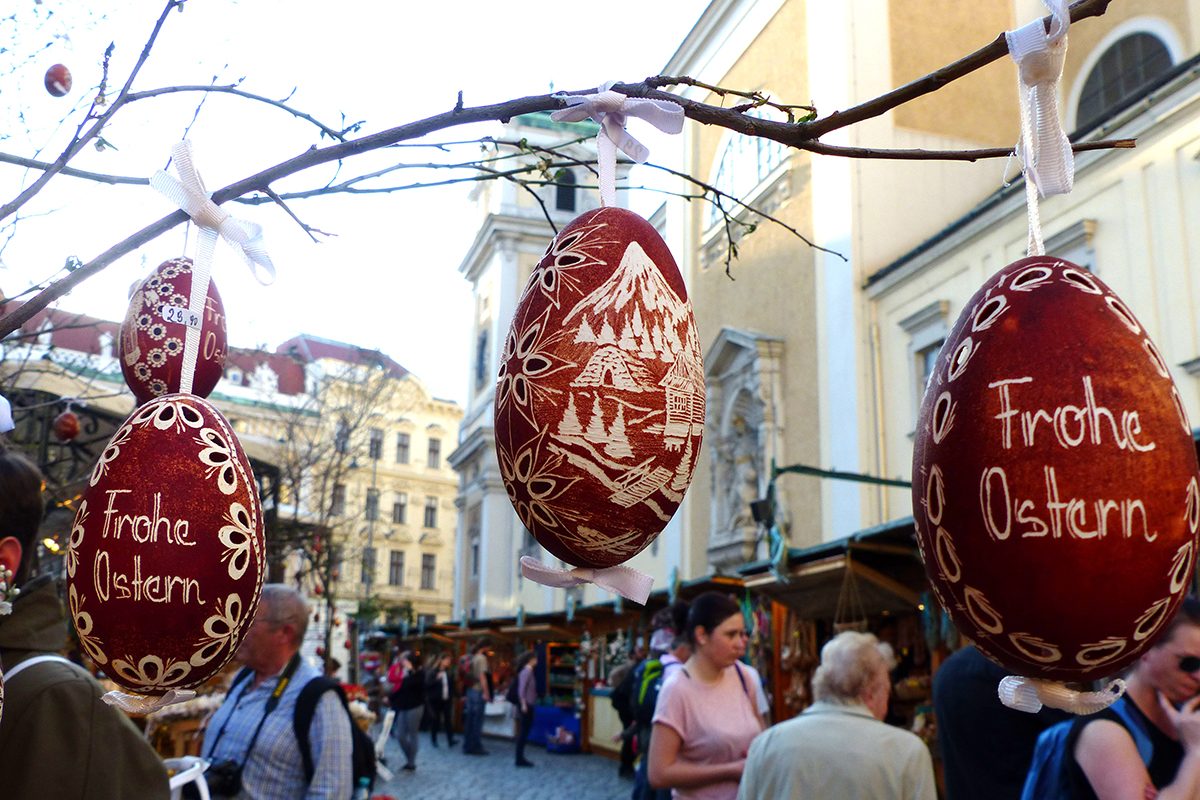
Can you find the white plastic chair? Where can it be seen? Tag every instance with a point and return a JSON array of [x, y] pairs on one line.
[[381, 744], [188, 769]]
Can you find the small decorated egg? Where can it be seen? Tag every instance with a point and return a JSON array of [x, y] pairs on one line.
[[58, 80], [154, 333], [66, 426], [599, 407], [1055, 487], [166, 555]]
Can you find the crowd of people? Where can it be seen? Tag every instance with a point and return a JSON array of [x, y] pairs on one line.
[[695, 715]]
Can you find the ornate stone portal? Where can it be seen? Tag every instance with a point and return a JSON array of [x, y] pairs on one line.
[[744, 435]]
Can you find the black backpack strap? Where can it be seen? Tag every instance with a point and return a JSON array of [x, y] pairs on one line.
[[306, 707]]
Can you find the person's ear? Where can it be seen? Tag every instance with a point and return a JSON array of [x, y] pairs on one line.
[[10, 553]]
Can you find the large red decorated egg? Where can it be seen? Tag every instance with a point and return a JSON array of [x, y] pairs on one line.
[[155, 330], [1055, 486], [165, 562], [600, 395]]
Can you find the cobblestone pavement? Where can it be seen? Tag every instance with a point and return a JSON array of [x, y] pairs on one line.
[[446, 773]]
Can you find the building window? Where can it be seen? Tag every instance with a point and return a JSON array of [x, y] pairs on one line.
[[337, 500], [926, 329], [475, 557], [1127, 66], [431, 506], [335, 563], [341, 437], [434, 458], [745, 162], [481, 359], [428, 570], [402, 446], [564, 190], [372, 507], [376, 446], [368, 565], [396, 568], [426, 619], [400, 509]]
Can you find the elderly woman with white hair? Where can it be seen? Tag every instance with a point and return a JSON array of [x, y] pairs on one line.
[[839, 746]]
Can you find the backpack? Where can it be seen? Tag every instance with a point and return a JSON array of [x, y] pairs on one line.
[[648, 678], [1047, 777], [363, 753], [513, 695]]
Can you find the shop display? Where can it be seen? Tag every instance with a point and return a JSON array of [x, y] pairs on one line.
[[166, 555], [563, 684], [154, 333], [1053, 465]]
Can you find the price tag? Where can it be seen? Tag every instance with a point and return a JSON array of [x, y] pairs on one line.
[[179, 314]]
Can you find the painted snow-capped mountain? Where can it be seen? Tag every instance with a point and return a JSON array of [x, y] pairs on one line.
[[635, 279]]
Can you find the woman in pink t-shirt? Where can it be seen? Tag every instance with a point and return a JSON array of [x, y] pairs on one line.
[[710, 709]]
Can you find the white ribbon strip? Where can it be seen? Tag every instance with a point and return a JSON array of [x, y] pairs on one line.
[[626, 581], [611, 110], [1044, 150], [144, 704], [189, 194], [6, 420], [1030, 694]]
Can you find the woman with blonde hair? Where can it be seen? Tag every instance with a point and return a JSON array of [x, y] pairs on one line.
[[710, 709]]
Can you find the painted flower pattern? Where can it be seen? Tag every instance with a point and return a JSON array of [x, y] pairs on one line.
[[83, 627]]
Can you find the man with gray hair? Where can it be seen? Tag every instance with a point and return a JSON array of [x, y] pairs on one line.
[[839, 746], [250, 739]]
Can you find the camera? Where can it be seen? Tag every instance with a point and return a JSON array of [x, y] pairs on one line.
[[224, 777]]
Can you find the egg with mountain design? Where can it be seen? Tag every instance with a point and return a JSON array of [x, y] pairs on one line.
[[599, 409], [1055, 488], [154, 334], [165, 560]]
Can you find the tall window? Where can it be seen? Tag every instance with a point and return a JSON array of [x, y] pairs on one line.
[[372, 507], [368, 565], [396, 568], [400, 509], [745, 162], [481, 359], [341, 437], [376, 446], [475, 557], [431, 506], [926, 362], [434, 458], [564, 191], [402, 447], [337, 500], [428, 570], [336, 560], [1128, 65]]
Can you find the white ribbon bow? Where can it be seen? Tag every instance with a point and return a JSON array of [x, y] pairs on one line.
[[626, 581], [611, 110], [6, 420], [1045, 151], [189, 194], [144, 704]]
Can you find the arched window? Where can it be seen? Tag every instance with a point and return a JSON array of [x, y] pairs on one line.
[[744, 162], [564, 194], [1129, 64]]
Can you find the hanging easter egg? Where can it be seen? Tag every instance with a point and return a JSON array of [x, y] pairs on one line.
[[1055, 487], [58, 80], [66, 426], [166, 560], [155, 329], [600, 397]]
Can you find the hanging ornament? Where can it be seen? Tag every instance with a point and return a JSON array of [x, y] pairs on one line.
[[1055, 480], [58, 80], [600, 397], [155, 329], [166, 555], [66, 426], [1055, 486]]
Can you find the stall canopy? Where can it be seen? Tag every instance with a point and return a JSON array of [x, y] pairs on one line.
[[873, 571]]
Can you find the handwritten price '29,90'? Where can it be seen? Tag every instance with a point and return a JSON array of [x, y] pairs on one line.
[[180, 314]]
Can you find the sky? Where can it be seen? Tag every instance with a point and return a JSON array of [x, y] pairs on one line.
[[389, 278]]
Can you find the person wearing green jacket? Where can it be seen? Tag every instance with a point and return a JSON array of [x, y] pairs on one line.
[[58, 739]]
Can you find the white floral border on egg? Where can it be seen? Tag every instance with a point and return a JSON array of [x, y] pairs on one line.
[[973, 601], [144, 315], [238, 536]]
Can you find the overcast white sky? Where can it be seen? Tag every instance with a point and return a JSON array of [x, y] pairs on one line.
[[389, 279]]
